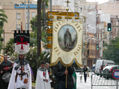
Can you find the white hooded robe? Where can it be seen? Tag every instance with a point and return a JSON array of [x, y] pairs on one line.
[[20, 83], [40, 83]]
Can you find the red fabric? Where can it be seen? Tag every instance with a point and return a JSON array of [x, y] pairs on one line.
[[6, 68], [25, 43], [44, 74]]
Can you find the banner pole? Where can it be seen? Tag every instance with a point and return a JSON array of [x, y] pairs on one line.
[[66, 79]]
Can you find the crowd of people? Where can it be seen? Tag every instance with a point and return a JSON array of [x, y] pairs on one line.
[[18, 75]]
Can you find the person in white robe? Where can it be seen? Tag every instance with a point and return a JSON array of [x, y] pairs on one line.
[[21, 75], [42, 79]]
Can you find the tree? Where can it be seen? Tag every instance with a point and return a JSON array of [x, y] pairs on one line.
[[34, 60], [111, 51], [41, 23], [9, 49], [3, 19]]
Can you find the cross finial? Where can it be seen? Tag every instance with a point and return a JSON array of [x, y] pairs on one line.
[[67, 4]]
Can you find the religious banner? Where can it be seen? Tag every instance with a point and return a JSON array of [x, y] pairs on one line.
[[67, 42], [21, 40]]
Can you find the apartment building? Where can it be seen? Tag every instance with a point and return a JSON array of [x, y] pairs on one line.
[[17, 13]]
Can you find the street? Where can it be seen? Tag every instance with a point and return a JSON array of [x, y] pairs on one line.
[[97, 80]]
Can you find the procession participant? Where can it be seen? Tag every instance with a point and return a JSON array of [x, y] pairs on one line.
[[60, 73], [47, 67], [85, 70], [74, 76], [21, 75], [5, 72], [42, 79]]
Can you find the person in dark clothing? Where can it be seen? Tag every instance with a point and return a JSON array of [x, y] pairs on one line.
[[60, 73], [85, 70], [5, 72]]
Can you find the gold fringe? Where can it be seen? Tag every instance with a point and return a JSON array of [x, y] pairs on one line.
[[66, 65]]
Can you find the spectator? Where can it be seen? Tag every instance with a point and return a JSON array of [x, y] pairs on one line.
[[85, 70]]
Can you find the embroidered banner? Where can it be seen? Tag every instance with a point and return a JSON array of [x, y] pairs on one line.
[[21, 40], [67, 42]]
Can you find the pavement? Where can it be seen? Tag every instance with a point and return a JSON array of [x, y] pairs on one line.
[[97, 80]]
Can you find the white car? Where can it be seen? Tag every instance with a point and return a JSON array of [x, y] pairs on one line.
[[101, 63], [108, 70]]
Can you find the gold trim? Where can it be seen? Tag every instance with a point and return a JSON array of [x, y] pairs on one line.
[[49, 30], [49, 46], [50, 23], [1, 58], [49, 38], [62, 14], [66, 65]]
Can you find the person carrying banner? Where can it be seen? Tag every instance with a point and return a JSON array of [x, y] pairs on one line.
[[21, 75], [42, 79], [60, 73]]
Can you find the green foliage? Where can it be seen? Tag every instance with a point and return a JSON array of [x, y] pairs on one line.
[[9, 49], [34, 24], [46, 2], [34, 61], [3, 19], [112, 51], [33, 35], [31, 56]]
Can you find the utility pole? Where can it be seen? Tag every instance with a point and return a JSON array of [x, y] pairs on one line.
[[39, 4], [28, 14], [50, 5]]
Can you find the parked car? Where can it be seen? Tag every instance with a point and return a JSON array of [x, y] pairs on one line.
[[100, 64], [108, 70]]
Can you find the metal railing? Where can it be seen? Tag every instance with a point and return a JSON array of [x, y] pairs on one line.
[[101, 80]]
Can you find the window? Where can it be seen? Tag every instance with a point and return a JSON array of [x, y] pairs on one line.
[[26, 26], [18, 27], [33, 14], [18, 16], [26, 14]]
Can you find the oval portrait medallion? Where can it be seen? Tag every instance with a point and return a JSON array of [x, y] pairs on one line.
[[67, 37]]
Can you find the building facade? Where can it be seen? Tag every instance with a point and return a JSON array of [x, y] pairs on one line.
[[17, 12]]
